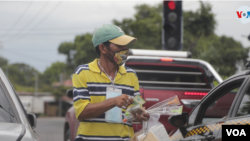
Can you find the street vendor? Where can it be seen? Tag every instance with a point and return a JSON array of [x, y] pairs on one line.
[[105, 85]]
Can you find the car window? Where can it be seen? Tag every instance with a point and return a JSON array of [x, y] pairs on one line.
[[193, 116], [244, 108], [217, 106], [6, 111]]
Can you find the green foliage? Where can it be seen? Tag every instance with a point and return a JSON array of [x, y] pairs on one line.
[[81, 51], [68, 49], [59, 92], [146, 26], [21, 74], [21, 88], [85, 51], [199, 38], [201, 21], [52, 73], [3, 62], [223, 52]]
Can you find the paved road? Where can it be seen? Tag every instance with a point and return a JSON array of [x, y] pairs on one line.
[[50, 129]]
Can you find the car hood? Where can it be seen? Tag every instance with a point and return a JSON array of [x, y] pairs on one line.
[[11, 131]]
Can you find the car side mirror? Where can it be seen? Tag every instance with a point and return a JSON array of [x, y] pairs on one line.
[[180, 121], [32, 120], [69, 93]]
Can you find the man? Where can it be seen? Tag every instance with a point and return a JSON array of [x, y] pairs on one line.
[[103, 85]]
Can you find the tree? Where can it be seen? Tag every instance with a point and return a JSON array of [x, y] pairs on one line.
[[80, 52], [146, 25], [22, 76], [52, 73], [199, 38], [222, 52], [67, 48], [202, 21], [3, 61], [15, 75], [28, 73], [59, 92], [85, 51]]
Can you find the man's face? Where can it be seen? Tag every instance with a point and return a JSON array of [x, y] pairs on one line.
[[117, 54]]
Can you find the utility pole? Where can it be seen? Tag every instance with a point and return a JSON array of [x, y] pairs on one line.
[[36, 84], [61, 79], [35, 95]]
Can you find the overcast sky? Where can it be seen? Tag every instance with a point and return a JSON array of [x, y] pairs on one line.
[[30, 32]]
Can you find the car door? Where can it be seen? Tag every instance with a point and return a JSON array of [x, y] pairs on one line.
[[207, 117], [240, 113]]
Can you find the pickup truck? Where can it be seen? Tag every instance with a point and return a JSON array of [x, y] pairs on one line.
[[162, 74]]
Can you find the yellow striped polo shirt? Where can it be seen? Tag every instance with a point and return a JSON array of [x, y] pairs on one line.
[[90, 87]]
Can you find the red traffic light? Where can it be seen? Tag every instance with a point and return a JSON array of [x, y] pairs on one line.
[[170, 4]]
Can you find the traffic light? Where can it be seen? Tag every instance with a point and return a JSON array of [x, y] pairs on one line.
[[172, 25]]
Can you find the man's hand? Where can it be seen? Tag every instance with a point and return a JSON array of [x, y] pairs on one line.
[[123, 101], [139, 118]]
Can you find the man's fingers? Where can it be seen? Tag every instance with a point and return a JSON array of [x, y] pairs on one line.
[[128, 99], [144, 118], [138, 117], [131, 100], [123, 103], [124, 98], [146, 115]]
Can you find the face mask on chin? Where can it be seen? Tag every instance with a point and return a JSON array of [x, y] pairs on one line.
[[119, 57]]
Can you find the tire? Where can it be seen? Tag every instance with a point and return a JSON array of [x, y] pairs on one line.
[[67, 135]]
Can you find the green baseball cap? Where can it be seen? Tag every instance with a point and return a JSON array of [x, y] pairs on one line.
[[111, 33]]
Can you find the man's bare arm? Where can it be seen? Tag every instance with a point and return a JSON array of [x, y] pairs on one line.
[[97, 109]]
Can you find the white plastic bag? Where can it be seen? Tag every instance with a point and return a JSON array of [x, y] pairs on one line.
[[152, 130], [166, 107], [172, 110], [172, 101]]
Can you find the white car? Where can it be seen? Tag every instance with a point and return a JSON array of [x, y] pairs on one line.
[[15, 123]]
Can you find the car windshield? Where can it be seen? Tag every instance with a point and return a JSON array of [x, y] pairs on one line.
[[6, 111]]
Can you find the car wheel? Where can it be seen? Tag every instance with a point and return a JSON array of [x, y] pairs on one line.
[[67, 135]]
